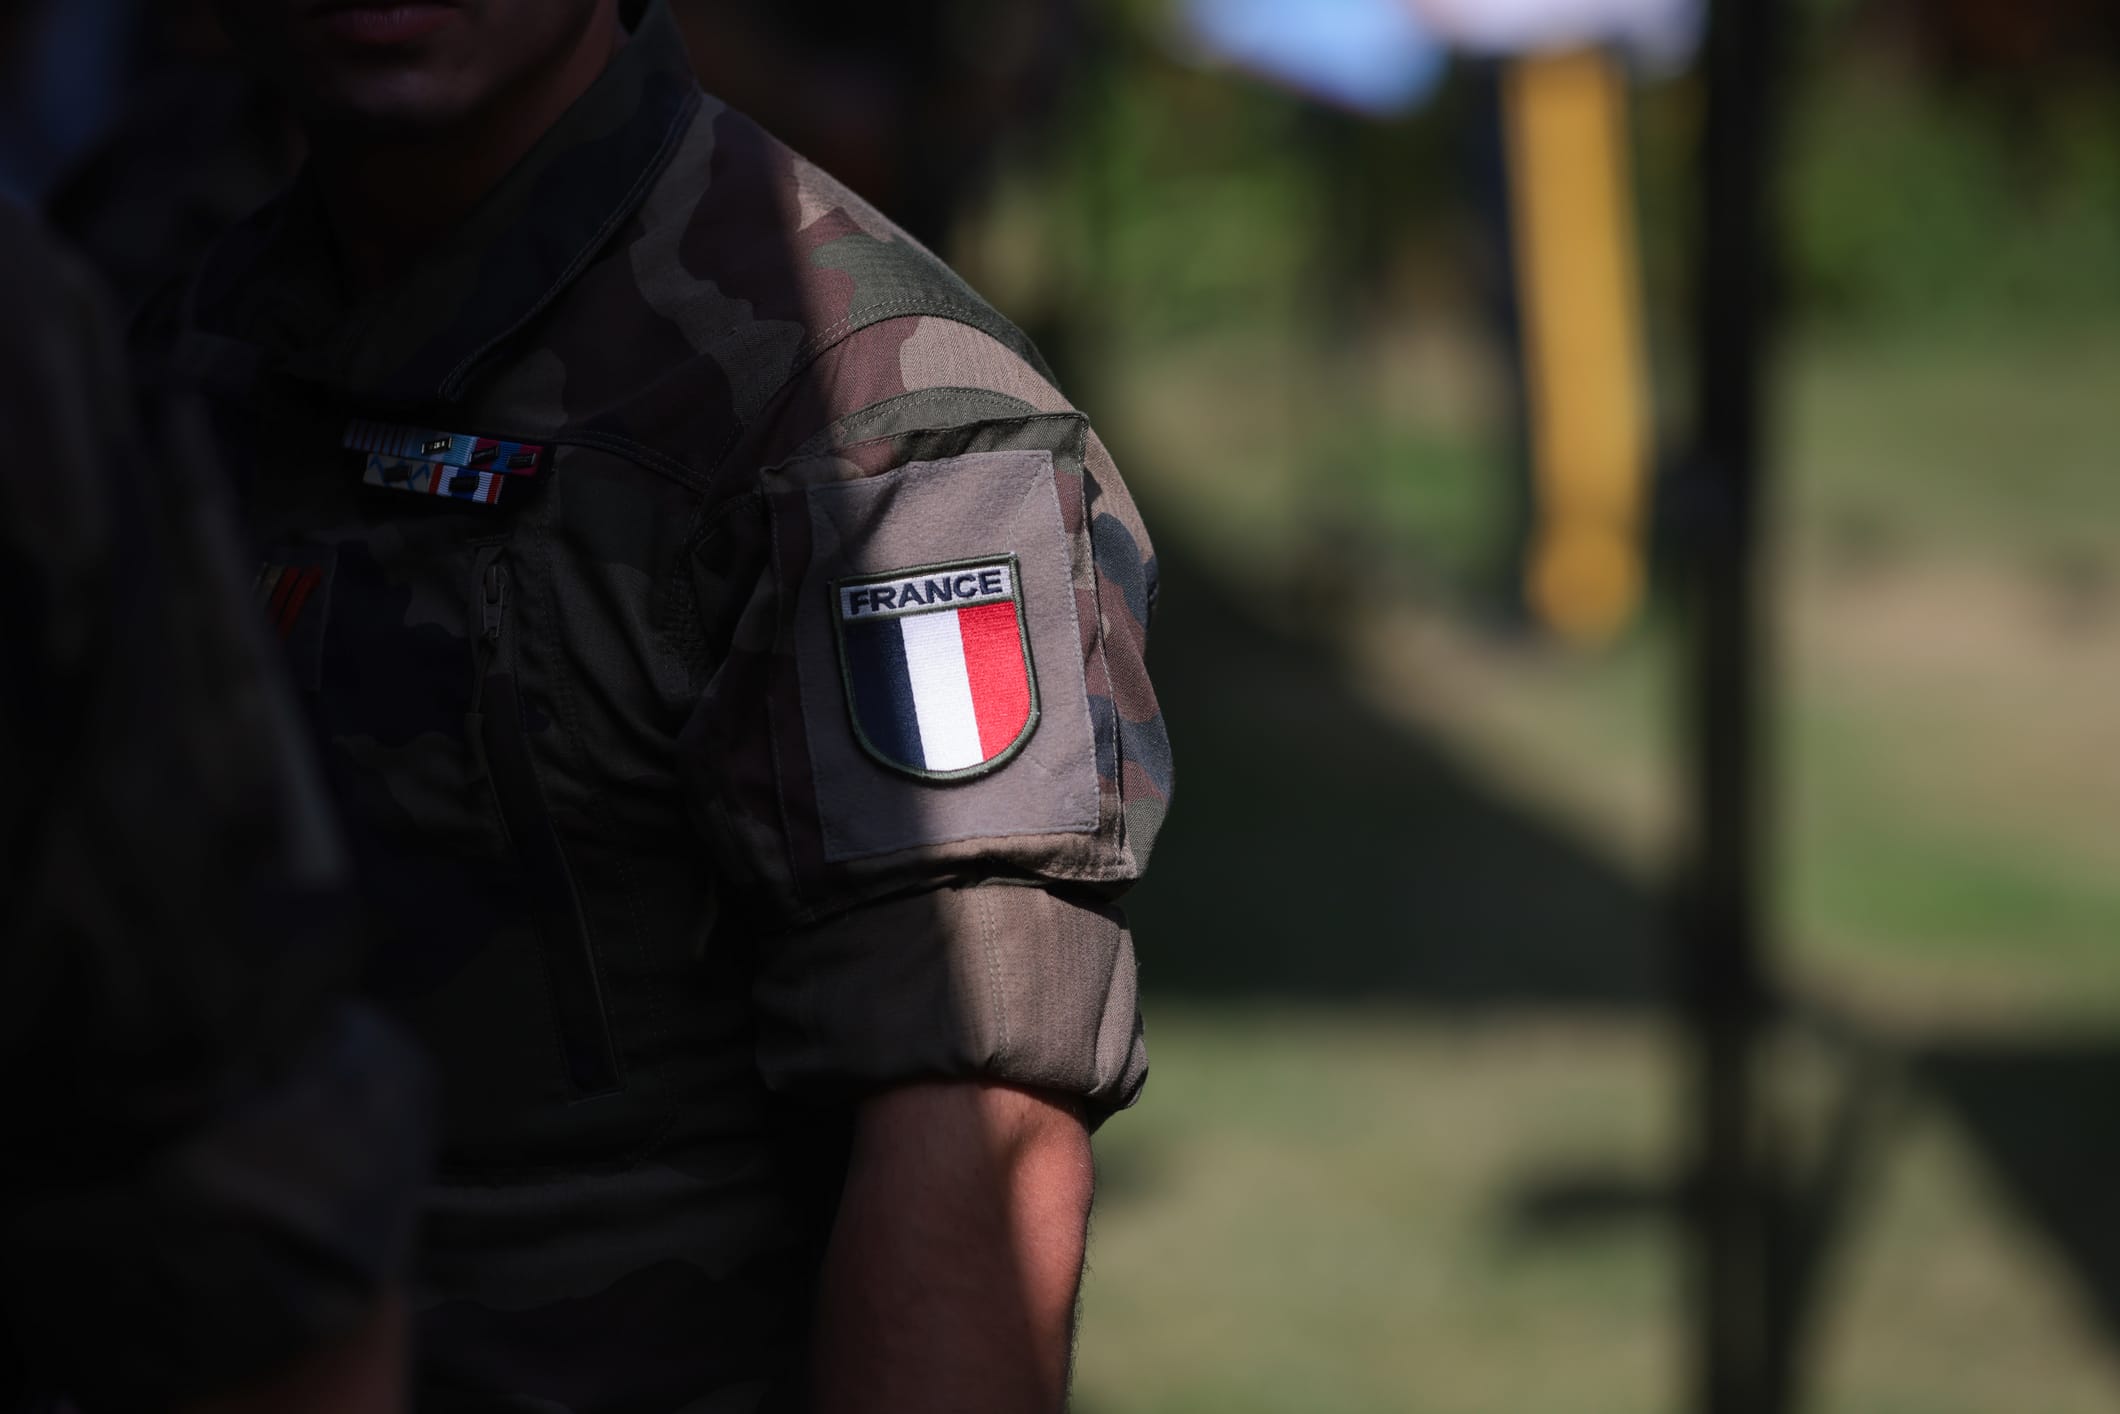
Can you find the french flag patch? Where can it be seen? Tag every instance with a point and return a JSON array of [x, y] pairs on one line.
[[938, 666]]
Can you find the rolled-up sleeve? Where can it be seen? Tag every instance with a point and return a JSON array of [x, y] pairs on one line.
[[993, 980]]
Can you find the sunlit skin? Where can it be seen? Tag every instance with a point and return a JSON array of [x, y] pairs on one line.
[[950, 1284], [951, 1281]]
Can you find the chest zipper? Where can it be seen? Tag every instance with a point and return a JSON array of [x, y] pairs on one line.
[[501, 745]]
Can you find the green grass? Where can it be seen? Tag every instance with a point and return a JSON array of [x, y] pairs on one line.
[[1316, 1216], [1320, 1210], [1952, 639], [1995, 446]]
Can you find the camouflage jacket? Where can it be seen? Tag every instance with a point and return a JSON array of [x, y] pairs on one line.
[[727, 647], [211, 1160]]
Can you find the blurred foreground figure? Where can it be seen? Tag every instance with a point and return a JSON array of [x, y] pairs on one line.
[[211, 1165], [193, 150], [726, 645]]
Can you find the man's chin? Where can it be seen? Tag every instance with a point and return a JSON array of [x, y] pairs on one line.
[[385, 106]]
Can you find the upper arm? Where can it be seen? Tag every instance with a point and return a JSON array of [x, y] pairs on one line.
[[934, 800]]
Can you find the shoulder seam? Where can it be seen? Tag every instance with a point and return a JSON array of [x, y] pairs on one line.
[[868, 316], [822, 438]]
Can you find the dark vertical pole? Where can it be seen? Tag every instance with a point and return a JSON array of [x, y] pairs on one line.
[[1724, 966]]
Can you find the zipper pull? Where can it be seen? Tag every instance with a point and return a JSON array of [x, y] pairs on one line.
[[496, 602]]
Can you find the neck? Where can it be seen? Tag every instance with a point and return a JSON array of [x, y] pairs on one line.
[[389, 197]]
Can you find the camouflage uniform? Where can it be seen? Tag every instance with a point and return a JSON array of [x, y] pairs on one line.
[[659, 910], [210, 1162]]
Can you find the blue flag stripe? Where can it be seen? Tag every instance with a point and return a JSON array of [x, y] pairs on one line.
[[883, 690]]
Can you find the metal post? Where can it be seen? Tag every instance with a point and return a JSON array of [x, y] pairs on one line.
[[1724, 971]]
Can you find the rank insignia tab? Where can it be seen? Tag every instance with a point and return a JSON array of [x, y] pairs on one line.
[[937, 664], [293, 593]]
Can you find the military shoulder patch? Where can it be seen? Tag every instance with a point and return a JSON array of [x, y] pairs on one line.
[[939, 650], [938, 666]]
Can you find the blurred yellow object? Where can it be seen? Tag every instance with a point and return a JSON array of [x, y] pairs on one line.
[[1584, 579], [1572, 194]]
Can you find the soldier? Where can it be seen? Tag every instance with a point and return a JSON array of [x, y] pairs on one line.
[[211, 1163], [726, 645]]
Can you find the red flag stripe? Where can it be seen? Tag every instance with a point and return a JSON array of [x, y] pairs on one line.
[[1001, 685]]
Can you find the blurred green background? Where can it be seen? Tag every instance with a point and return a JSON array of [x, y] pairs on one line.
[[1416, 1128], [1415, 1121]]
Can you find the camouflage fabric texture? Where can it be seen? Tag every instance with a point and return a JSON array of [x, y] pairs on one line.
[[658, 919], [212, 1161]]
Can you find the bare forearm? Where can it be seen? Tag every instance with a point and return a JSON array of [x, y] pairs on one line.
[[950, 1284]]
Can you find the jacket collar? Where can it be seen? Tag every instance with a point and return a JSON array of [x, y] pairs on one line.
[[271, 296]]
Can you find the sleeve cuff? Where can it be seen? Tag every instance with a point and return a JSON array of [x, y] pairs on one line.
[[997, 981]]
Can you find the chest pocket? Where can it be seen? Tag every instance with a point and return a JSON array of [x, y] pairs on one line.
[[497, 728], [404, 630]]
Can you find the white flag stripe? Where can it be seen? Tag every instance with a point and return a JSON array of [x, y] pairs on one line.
[[942, 691]]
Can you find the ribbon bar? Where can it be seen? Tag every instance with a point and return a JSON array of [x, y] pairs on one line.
[[432, 478], [460, 449]]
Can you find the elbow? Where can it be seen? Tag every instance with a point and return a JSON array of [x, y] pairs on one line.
[[1030, 1146], [1046, 1154]]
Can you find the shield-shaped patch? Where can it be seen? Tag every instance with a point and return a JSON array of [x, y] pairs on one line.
[[938, 667]]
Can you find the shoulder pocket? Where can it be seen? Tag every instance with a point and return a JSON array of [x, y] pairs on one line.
[[934, 608]]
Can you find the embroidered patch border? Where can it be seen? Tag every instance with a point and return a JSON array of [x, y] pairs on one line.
[[937, 690]]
